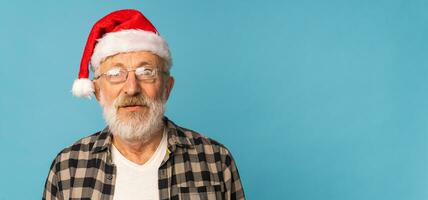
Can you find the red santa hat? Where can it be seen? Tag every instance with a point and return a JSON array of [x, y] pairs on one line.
[[118, 32]]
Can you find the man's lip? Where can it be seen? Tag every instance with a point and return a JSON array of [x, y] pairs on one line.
[[131, 106]]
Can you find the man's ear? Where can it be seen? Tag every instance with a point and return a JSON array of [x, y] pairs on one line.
[[169, 86], [96, 90]]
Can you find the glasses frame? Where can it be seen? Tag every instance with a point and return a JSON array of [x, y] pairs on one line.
[[156, 71]]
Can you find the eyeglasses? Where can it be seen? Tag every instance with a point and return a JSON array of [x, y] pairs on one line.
[[120, 75]]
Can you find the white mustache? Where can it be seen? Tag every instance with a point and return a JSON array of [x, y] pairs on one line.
[[131, 101]]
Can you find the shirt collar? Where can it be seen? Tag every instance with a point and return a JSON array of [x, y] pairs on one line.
[[176, 138], [102, 141]]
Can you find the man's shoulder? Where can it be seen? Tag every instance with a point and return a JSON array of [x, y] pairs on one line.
[[85, 144], [73, 154], [204, 148], [200, 141], [198, 138]]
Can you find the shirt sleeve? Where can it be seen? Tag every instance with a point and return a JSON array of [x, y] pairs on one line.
[[234, 189], [51, 190]]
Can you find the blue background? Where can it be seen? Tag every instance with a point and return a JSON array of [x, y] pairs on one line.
[[319, 100]]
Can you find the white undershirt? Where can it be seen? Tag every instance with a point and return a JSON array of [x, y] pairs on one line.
[[134, 181]]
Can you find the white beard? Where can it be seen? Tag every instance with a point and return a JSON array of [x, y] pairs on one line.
[[138, 126]]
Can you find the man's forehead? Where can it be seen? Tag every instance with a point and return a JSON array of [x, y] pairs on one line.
[[132, 58]]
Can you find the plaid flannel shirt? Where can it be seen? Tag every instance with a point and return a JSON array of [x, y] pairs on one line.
[[195, 167]]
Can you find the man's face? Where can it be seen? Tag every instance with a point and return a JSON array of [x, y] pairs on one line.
[[133, 102]]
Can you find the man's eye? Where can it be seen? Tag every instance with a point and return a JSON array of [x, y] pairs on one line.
[[113, 72], [142, 71]]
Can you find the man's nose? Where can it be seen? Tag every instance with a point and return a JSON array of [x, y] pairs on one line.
[[131, 86]]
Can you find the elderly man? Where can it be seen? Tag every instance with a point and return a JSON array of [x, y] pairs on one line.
[[141, 154]]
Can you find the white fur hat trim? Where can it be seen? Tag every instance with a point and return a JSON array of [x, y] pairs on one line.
[[130, 40]]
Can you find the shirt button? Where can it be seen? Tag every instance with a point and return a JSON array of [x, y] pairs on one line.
[[172, 140], [109, 177]]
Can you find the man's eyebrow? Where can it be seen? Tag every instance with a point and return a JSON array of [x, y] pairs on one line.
[[142, 63], [118, 64]]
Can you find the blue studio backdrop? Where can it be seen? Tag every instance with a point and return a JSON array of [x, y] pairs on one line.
[[323, 100]]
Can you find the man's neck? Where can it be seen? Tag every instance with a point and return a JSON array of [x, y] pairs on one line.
[[138, 151]]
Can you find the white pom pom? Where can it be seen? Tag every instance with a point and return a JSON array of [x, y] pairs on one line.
[[83, 87]]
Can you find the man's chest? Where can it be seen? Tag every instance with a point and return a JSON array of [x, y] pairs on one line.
[[183, 176]]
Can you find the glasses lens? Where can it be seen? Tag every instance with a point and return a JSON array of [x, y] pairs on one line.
[[144, 73], [116, 75]]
